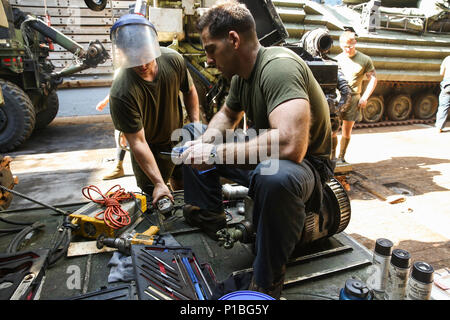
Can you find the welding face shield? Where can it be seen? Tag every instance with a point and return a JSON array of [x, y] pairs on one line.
[[134, 41]]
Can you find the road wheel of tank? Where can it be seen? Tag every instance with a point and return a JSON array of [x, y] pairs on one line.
[[425, 106], [49, 111], [374, 110], [17, 117], [399, 107]]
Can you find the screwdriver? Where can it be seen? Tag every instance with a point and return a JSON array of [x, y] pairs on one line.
[[163, 286], [193, 278], [176, 152]]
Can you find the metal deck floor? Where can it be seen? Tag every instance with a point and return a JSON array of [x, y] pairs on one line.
[[316, 273]]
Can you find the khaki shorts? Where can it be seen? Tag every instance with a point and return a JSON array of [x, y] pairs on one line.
[[353, 112]]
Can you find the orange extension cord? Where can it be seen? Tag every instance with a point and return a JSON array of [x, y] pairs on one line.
[[113, 216]]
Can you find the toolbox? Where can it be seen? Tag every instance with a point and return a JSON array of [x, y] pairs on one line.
[[120, 292], [171, 273], [21, 274]]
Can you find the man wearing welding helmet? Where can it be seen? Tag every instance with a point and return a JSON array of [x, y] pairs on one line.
[[144, 100]]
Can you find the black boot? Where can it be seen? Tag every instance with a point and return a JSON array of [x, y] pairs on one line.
[[208, 221], [274, 290]]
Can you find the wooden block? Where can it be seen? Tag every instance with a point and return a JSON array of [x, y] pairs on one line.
[[343, 168], [380, 191], [85, 248]]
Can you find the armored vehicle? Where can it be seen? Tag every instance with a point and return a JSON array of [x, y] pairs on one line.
[[406, 39], [28, 80]]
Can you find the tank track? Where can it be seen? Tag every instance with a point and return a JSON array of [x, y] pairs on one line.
[[392, 123]]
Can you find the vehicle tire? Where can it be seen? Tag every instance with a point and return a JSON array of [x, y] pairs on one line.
[[425, 106], [49, 112], [96, 5], [17, 117], [373, 112], [399, 107]]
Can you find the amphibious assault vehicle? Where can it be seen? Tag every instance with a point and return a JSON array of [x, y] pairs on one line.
[[406, 39]]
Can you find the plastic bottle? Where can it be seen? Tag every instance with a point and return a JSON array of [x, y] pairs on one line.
[[355, 290], [380, 267], [398, 275], [420, 282]]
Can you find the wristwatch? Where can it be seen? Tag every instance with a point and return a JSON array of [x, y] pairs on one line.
[[213, 154]]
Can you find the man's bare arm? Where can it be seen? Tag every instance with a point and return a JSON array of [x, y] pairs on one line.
[[289, 123], [147, 163], [369, 89], [224, 119], [191, 103]]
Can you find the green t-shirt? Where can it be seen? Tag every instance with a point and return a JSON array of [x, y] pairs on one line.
[[153, 105], [280, 75], [354, 69]]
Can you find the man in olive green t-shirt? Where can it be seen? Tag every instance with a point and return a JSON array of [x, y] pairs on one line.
[[444, 96], [292, 135], [356, 66], [144, 101]]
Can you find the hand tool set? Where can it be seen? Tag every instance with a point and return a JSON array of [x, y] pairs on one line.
[[21, 274], [171, 273]]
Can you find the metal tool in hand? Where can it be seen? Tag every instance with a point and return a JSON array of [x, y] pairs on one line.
[[164, 206], [164, 212], [178, 151]]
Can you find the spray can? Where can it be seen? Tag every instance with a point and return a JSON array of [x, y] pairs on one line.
[[420, 282], [140, 7], [398, 275], [380, 267], [355, 290]]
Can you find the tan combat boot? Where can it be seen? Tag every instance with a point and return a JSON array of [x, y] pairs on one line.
[[117, 172]]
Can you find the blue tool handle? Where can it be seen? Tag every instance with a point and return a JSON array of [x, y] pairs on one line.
[[193, 278], [207, 170], [179, 150], [199, 291]]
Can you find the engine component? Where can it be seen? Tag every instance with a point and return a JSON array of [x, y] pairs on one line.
[[317, 42], [234, 192], [333, 218]]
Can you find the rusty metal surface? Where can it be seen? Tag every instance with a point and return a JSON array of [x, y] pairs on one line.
[[7, 180]]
